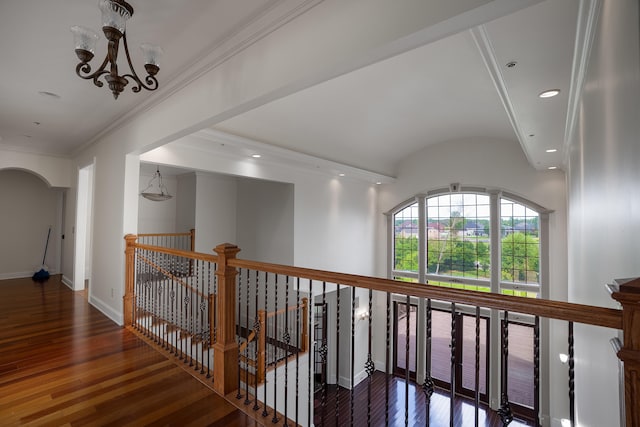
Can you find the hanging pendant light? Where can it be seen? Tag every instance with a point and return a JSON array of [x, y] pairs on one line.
[[156, 190]]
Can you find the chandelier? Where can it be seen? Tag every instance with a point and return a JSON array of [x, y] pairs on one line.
[[156, 190], [115, 14]]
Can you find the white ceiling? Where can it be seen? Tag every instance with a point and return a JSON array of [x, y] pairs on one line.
[[38, 55], [372, 118]]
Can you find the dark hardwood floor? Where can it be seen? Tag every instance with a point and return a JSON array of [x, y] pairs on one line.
[[464, 411], [63, 363]]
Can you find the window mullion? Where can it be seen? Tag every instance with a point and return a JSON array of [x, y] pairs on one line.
[[494, 237], [422, 238]]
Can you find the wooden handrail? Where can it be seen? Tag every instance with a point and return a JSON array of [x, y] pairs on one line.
[[580, 313], [172, 276]]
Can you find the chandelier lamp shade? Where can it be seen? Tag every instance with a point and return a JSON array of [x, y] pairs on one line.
[[115, 14], [156, 190]]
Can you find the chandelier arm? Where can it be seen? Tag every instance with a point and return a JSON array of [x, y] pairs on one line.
[[152, 83], [84, 68]]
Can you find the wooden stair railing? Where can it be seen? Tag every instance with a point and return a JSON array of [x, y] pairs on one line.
[[226, 347], [262, 340], [169, 240]]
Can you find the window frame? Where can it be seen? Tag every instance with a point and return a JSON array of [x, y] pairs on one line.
[[495, 283]]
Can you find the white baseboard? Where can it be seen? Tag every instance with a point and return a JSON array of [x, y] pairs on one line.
[[107, 310], [16, 275], [67, 282]]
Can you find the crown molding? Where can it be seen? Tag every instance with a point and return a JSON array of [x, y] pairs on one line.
[[485, 47], [588, 14], [274, 15]]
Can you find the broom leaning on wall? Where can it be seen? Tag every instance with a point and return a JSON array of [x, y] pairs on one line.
[[42, 274]]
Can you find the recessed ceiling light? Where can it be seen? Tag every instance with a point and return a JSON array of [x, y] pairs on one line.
[[256, 156], [551, 150], [549, 93], [378, 183], [49, 94], [340, 174], [552, 168]]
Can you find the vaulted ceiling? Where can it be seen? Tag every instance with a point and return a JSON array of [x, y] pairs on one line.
[[458, 87]]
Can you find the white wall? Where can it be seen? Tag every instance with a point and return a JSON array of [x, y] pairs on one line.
[[604, 202], [264, 228], [216, 219], [186, 202], [29, 208]]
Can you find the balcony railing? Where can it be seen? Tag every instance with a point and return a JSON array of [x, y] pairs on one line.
[[249, 329]]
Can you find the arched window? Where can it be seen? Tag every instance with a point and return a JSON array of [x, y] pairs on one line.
[[454, 240]]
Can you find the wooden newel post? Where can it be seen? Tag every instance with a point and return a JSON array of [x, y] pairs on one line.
[[129, 279], [629, 296], [225, 349]]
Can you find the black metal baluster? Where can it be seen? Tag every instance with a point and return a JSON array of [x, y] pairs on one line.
[[148, 295], [239, 334], [324, 352], [406, 361], [369, 366], [172, 317], [215, 305], [337, 407], [353, 350], [428, 386], [179, 317], [572, 403], [256, 327], [452, 392], [246, 350], [536, 371], [189, 309], [162, 310], [477, 369], [505, 409], [298, 348], [204, 310], [387, 362], [247, 331], [310, 349], [287, 340], [266, 338], [171, 284], [276, 344], [209, 328]]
